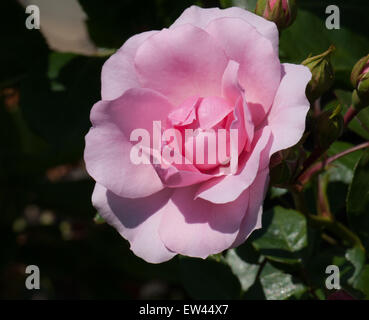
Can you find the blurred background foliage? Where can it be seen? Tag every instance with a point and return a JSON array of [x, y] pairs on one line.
[[46, 216]]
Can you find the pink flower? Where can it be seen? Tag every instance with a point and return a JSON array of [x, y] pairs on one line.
[[212, 69]]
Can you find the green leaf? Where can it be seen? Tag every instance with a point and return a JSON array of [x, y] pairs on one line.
[[349, 160], [342, 169], [278, 285], [358, 199], [208, 279], [301, 39], [340, 174], [245, 271], [283, 237], [357, 257], [277, 192], [362, 282]]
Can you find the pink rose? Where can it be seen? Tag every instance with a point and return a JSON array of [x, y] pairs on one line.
[[212, 69]]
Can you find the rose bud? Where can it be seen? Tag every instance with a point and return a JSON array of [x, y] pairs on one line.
[[282, 12], [328, 127], [323, 74], [360, 80], [283, 166]]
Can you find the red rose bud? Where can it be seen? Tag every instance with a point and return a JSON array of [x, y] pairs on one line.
[[281, 12], [360, 80], [322, 74]]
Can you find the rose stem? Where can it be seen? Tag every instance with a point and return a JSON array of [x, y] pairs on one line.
[[317, 107], [330, 224], [337, 228], [316, 154], [349, 115], [305, 176], [323, 203]]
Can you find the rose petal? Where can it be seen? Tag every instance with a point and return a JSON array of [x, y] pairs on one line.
[[288, 113], [198, 228], [175, 178], [213, 190], [185, 114], [118, 73], [182, 174], [107, 152], [200, 17], [260, 70], [252, 219], [211, 111], [177, 63], [234, 92], [231, 88], [137, 221]]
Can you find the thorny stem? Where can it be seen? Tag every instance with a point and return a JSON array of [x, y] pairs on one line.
[[306, 174]]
